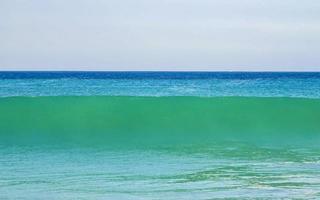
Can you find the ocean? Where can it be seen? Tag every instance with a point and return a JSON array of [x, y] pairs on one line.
[[159, 135]]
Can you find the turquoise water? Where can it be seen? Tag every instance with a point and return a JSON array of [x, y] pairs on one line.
[[205, 84], [130, 136]]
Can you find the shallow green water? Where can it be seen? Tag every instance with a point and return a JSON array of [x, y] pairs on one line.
[[148, 120], [159, 147]]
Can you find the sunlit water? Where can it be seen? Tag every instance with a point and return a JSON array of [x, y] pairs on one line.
[[238, 171]]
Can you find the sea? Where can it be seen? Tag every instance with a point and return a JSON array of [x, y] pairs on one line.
[[159, 135]]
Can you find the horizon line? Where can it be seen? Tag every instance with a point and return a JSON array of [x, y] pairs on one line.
[[210, 71]]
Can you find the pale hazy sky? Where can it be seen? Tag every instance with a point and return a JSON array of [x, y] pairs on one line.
[[160, 35]]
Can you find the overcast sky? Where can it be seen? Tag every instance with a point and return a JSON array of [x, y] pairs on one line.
[[268, 35]]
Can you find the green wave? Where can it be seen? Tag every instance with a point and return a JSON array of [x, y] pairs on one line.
[[158, 120]]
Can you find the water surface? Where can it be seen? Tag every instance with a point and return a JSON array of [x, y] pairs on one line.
[[126, 135]]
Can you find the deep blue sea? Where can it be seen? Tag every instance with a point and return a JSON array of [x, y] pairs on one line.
[[206, 84]]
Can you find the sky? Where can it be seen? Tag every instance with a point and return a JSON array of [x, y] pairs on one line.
[[196, 35]]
